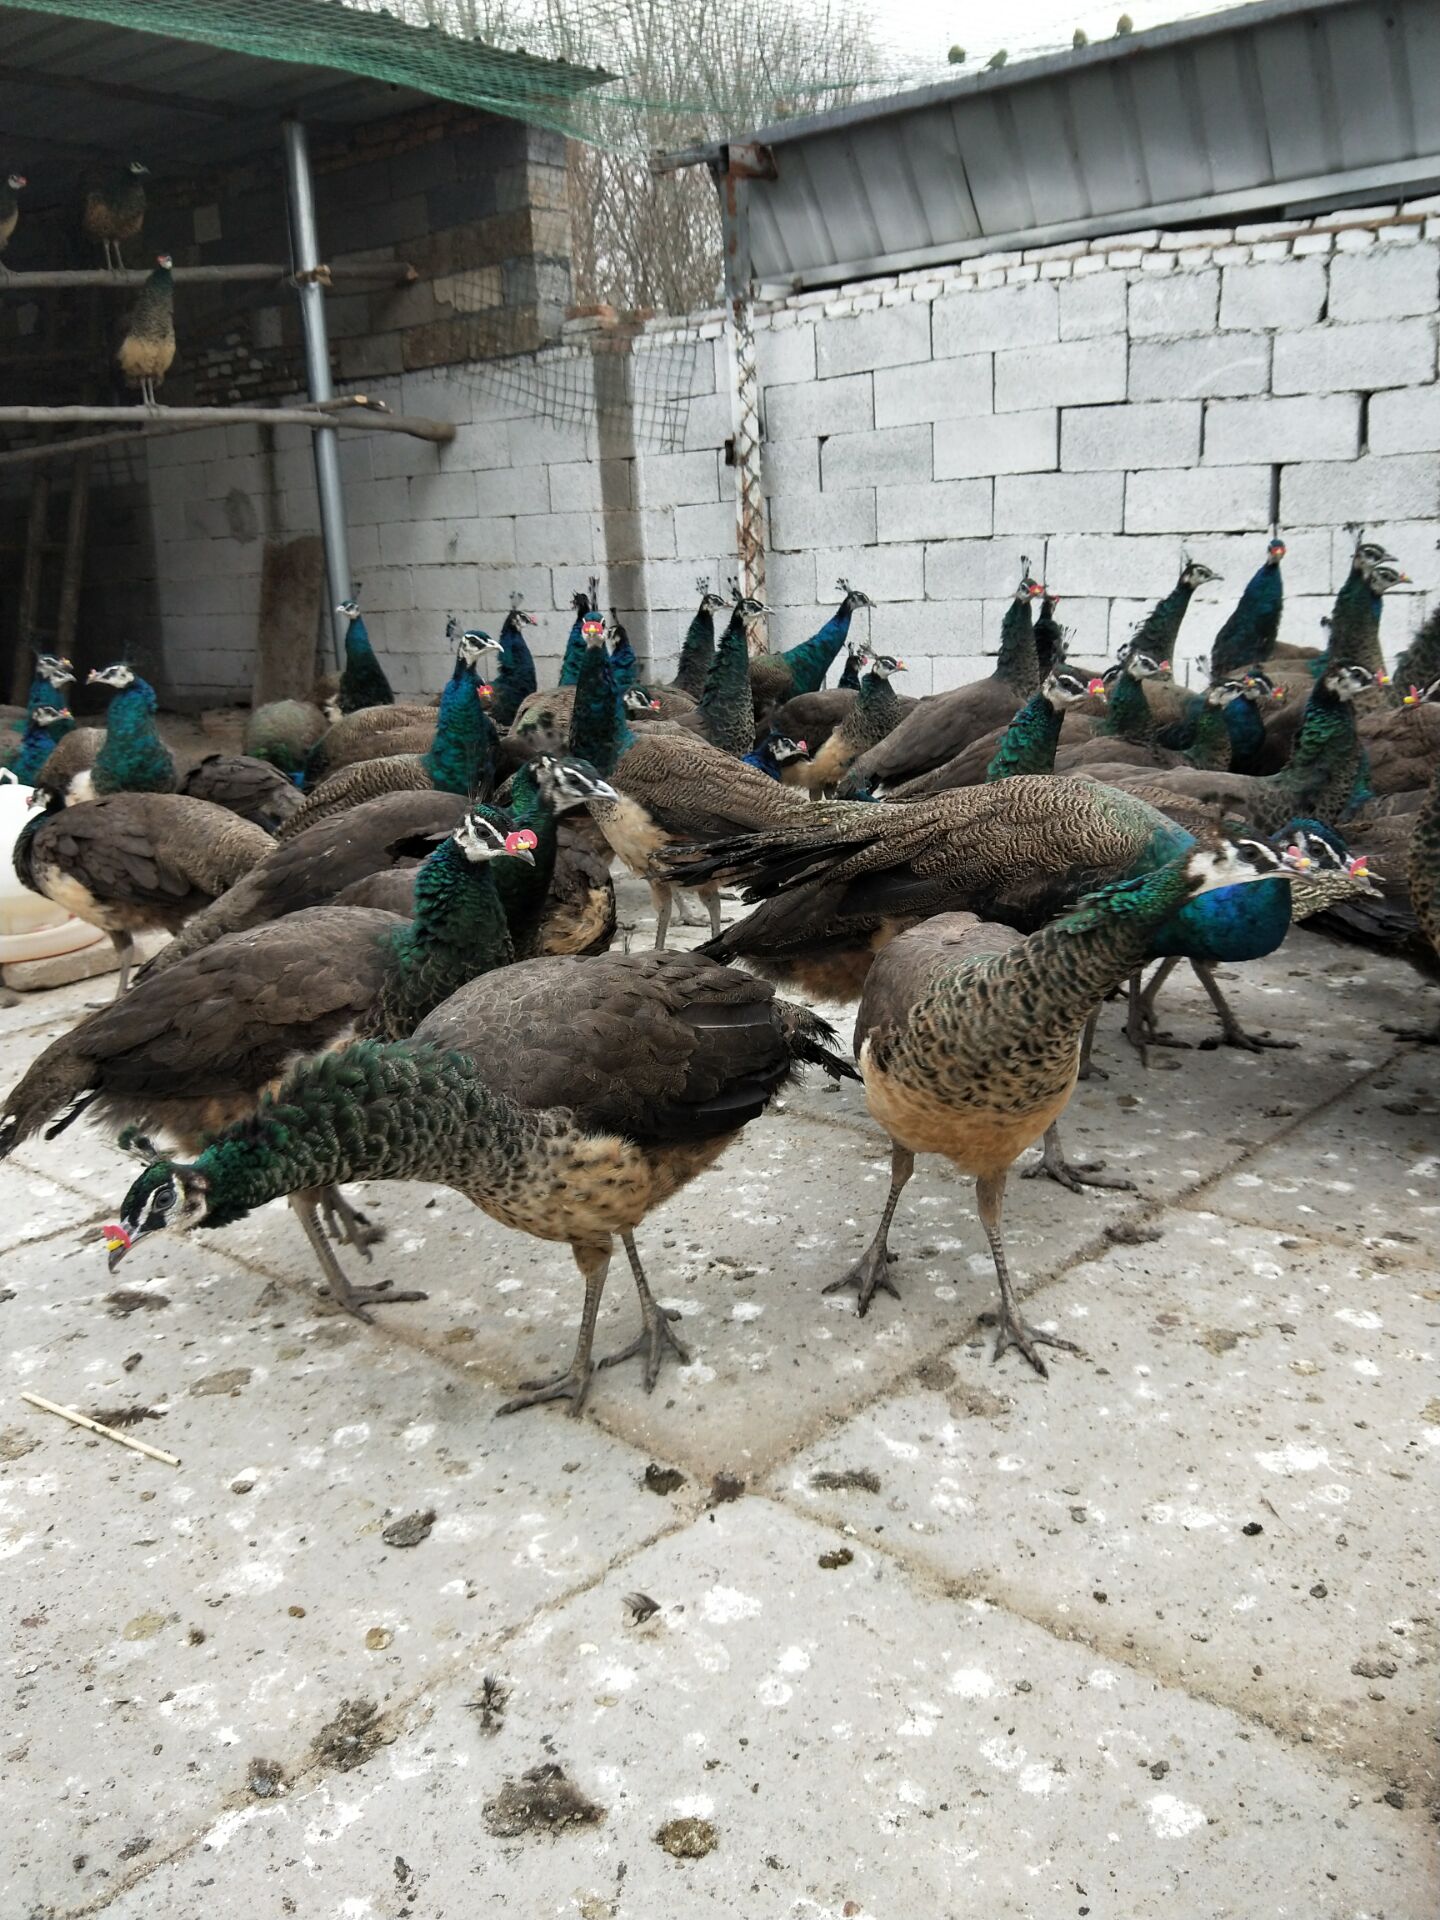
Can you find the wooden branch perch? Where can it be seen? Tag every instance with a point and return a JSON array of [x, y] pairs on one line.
[[396, 272], [138, 424]]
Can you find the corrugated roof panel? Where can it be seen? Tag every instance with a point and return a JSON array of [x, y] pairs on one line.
[[1280, 102]]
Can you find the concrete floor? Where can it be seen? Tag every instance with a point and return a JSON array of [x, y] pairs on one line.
[[1159, 1635]]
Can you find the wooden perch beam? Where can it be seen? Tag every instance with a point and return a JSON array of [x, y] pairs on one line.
[[398, 273], [139, 425]]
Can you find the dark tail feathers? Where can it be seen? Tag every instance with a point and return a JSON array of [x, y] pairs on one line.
[[812, 1040]]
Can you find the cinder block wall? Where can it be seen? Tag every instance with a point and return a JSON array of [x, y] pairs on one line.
[[1096, 407]]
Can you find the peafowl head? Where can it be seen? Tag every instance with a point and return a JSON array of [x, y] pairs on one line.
[[51, 667], [517, 615], [581, 602], [1259, 687], [782, 749], [1063, 688], [1348, 682], [50, 716], [473, 645], [1029, 588], [592, 629], [168, 1195], [480, 839], [117, 676], [1222, 692], [1417, 696], [1195, 573], [1142, 666], [1369, 553], [882, 665], [1275, 552], [15, 182], [567, 783], [164, 262], [1382, 577], [350, 609], [638, 704], [853, 596], [1233, 863], [710, 601], [137, 167]]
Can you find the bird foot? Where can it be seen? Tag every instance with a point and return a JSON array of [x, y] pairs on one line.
[[1074, 1175], [869, 1273], [1091, 1072], [384, 1293], [572, 1385], [1248, 1042], [653, 1341], [1422, 1036], [348, 1227], [1025, 1338]]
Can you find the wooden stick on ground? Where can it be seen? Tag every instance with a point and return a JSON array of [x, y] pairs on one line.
[[106, 1433]]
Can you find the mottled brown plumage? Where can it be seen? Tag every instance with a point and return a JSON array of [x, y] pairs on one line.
[[282, 732], [64, 776], [314, 867], [137, 862], [876, 713], [252, 788], [113, 208], [147, 350], [370, 733]]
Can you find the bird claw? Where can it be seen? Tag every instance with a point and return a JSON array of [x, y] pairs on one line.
[[1248, 1042], [355, 1300], [1025, 1338], [572, 1385], [652, 1341], [1422, 1036], [868, 1275], [1075, 1175]]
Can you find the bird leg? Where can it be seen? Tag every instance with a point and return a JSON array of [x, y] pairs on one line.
[[1140, 1028], [1088, 1068], [124, 945], [352, 1299], [347, 1225], [1072, 1174], [1422, 1036], [1232, 1034], [1014, 1332], [662, 899], [689, 916], [871, 1270], [712, 902], [574, 1383], [655, 1335]]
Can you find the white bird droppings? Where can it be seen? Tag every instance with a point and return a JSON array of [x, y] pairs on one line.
[[972, 1683], [1171, 1818], [1294, 1459], [721, 1606]]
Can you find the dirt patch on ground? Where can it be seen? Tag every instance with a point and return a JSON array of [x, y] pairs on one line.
[[687, 1839], [410, 1531], [350, 1739], [127, 1300], [229, 1380], [846, 1480], [544, 1800]]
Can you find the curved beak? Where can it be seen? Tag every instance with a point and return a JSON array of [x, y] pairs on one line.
[[602, 790]]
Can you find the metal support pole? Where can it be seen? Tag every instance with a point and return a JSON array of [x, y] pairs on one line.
[[305, 258], [744, 163]]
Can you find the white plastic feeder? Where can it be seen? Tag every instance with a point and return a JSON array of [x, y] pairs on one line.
[[31, 927]]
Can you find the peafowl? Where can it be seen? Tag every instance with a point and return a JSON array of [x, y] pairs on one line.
[[192, 1049], [623, 663], [113, 209], [362, 682], [779, 676], [1029, 742], [1419, 664], [515, 677], [875, 712], [1248, 636], [566, 1098], [944, 724], [133, 759], [44, 727], [697, 649], [774, 753], [459, 759], [10, 186], [968, 1038], [855, 657], [147, 349], [283, 732], [1127, 714], [52, 675], [585, 605], [241, 784], [724, 714]]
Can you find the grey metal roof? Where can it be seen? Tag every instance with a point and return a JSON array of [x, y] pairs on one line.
[[1287, 104], [76, 83]]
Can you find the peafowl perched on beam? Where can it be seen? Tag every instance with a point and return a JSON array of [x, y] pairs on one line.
[[778, 676], [363, 682]]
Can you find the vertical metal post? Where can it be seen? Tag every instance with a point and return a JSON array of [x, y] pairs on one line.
[[32, 571], [304, 259], [742, 164], [77, 523]]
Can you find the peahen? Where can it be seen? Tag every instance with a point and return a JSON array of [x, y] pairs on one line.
[[133, 758], [192, 1049], [1248, 635], [1027, 744], [567, 1098], [283, 732], [11, 185], [44, 728], [944, 724], [459, 759], [147, 347], [585, 606], [968, 1038], [245, 785], [515, 676], [876, 712], [724, 714], [362, 680], [623, 663], [113, 208], [775, 754], [50, 678], [697, 649], [407, 726], [779, 676]]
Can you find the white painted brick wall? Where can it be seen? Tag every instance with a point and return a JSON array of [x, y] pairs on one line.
[[1097, 409]]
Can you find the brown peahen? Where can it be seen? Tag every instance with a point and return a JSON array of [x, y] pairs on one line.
[[10, 186], [876, 712], [968, 1039], [1027, 745], [567, 1098], [253, 788], [724, 714], [192, 1049], [113, 208], [777, 677], [147, 351]]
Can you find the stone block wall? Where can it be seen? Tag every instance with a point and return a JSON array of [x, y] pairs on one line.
[[1099, 408]]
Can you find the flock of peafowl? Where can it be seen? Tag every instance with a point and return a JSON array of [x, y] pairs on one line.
[[393, 922]]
